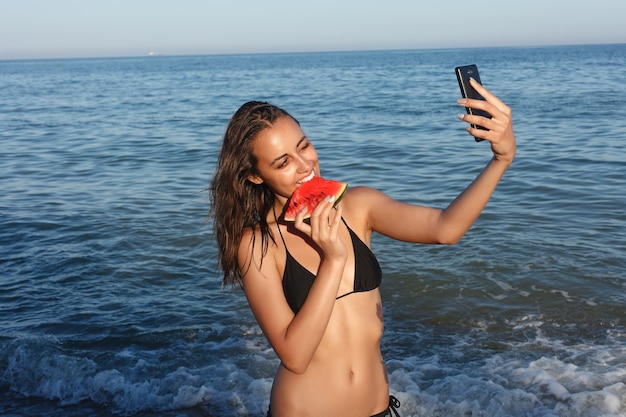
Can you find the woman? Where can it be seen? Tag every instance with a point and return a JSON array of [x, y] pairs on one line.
[[313, 286]]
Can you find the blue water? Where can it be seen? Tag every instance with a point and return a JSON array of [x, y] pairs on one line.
[[110, 303]]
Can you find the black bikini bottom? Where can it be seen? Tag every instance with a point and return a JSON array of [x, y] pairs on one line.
[[394, 404]]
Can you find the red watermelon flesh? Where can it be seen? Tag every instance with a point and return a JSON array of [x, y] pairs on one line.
[[310, 194]]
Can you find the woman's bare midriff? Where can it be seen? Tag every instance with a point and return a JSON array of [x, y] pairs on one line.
[[347, 376]]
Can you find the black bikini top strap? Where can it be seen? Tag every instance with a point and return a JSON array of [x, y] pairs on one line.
[[278, 226]]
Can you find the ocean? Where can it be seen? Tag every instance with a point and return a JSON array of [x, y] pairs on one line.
[[110, 299]]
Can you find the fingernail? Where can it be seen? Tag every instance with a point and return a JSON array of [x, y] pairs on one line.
[[331, 199], [462, 101], [460, 116]]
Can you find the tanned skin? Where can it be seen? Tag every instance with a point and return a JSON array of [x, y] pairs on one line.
[[331, 363]]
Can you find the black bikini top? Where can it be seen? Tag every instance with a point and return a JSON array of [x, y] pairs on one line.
[[297, 280]]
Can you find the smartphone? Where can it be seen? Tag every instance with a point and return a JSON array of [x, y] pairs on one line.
[[463, 75]]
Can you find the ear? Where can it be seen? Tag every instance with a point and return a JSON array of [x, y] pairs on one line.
[[255, 179]]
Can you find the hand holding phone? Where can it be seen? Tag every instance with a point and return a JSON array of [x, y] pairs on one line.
[[463, 75]]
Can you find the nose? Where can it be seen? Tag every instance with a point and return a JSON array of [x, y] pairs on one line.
[[304, 165]]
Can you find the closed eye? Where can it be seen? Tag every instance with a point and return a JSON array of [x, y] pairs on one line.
[[283, 163], [304, 144], [283, 160]]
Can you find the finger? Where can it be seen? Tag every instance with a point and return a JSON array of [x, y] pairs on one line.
[[327, 214], [477, 104], [499, 119], [478, 133], [299, 222], [489, 97], [319, 216], [488, 123], [336, 219]]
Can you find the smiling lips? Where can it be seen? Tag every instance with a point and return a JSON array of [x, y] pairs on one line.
[[307, 178]]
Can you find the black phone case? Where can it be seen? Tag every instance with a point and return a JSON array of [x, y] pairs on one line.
[[463, 74]]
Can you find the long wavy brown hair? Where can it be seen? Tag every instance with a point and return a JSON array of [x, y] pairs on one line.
[[236, 202]]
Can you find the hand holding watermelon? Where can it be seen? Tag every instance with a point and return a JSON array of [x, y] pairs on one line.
[[322, 226], [313, 209]]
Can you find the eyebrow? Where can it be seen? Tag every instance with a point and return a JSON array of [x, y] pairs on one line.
[[303, 138]]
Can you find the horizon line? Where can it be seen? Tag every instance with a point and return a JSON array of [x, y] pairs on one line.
[[154, 54]]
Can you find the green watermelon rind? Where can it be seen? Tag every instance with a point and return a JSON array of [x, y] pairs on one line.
[[338, 196]]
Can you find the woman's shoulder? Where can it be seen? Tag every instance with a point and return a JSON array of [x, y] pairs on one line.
[[360, 191], [360, 199], [358, 204], [251, 239], [257, 257], [253, 246]]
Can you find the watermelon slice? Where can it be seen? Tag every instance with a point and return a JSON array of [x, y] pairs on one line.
[[310, 194]]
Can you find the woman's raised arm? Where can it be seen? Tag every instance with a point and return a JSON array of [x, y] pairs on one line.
[[427, 225]]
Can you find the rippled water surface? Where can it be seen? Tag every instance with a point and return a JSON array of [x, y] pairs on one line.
[[109, 299]]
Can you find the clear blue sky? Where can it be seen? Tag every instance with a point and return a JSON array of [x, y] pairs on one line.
[[89, 28]]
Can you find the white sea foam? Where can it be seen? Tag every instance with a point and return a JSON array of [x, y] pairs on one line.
[[569, 381], [35, 369], [547, 387]]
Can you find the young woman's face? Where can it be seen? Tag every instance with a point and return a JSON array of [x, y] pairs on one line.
[[286, 158]]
